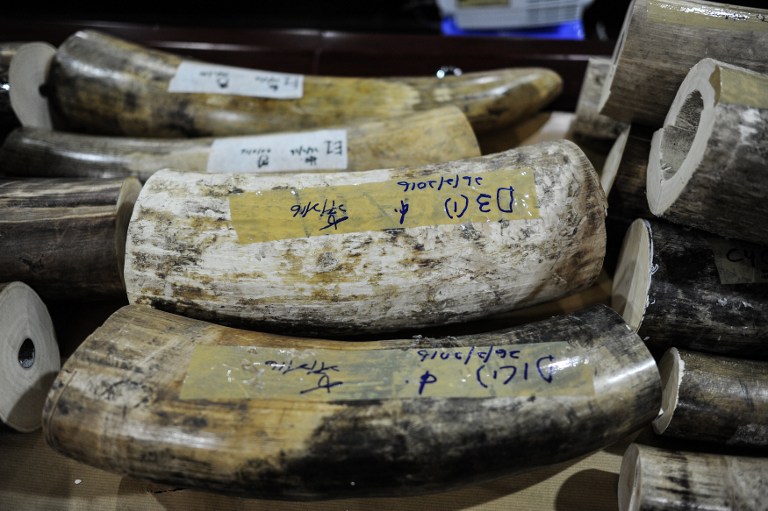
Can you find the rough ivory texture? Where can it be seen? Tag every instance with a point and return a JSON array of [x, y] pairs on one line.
[[588, 123], [662, 39], [715, 399], [691, 301], [102, 84], [626, 194], [117, 405], [654, 478], [718, 181], [419, 138], [66, 237], [187, 253]]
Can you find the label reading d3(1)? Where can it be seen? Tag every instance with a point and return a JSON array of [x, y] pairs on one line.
[[400, 202], [196, 77]]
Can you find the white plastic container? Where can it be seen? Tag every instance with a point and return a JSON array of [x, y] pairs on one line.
[[501, 14]]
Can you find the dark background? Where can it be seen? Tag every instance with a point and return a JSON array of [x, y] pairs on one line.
[[383, 16], [602, 19]]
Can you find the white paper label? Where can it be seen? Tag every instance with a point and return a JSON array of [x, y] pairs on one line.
[[739, 262], [312, 150], [216, 79]]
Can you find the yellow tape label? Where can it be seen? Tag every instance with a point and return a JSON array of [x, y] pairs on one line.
[[221, 372], [286, 213], [718, 16], [741, 87]]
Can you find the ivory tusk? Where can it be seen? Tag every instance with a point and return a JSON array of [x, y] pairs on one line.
[[104, 85], [715, 399], [419, 138], [661, 40], [372, 250], [183, 402], [66, 237], [624, 175], [685, 288], [29, 356], [623, 178], [707, 167], [588, 123], [654, 478]]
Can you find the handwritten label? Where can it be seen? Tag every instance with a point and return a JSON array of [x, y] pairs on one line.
[[215, 79], [718, 16], [240, 372], [501, 194], [313, 150], [739, 262]]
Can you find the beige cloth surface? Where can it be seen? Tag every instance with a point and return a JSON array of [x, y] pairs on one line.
[[35, 477]]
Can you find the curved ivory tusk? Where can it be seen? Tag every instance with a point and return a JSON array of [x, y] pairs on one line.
[[680, 287], [707, 167], [203, 406], [661, 40], [102, 84], [348, 252], [66, 237], [716, 399], [419, 138], [653, 478]]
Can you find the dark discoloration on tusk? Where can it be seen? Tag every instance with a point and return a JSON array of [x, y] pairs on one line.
[[188, 403], [65, 237]]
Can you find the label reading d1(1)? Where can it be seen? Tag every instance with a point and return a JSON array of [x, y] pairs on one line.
[[224, 372], [299, 151], [196, 77]]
